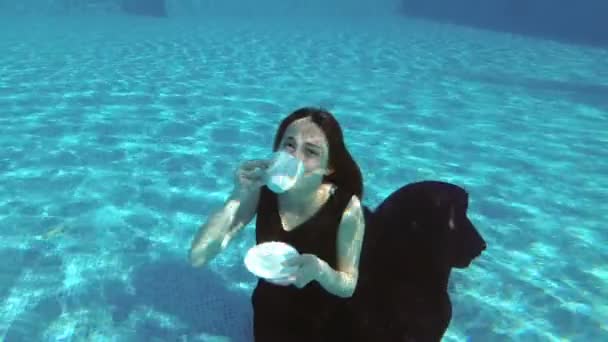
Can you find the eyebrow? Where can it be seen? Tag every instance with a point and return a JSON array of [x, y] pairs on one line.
[[313, 145], [309, 144]]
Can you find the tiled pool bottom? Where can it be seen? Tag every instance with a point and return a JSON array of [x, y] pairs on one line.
[[117, 147]]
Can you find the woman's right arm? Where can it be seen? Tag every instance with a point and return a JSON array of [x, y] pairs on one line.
[[238, 210]]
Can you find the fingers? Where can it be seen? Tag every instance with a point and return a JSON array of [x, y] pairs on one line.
[[253, 169], [295, 261], [256, 164], [252, 173], [301, 280], [299, 283], [302, 276]]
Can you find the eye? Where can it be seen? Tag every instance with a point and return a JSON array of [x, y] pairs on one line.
[[312, 152]]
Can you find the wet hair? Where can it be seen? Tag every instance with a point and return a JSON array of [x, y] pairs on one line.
[[347, 174]]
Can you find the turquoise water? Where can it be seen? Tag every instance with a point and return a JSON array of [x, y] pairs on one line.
[[119, 136]]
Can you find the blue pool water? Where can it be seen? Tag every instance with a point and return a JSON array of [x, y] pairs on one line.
[[120, 135]]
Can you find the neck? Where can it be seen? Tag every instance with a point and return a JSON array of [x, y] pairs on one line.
[[299, 200]]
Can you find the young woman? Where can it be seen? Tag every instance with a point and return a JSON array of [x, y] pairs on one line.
[[321, 216]]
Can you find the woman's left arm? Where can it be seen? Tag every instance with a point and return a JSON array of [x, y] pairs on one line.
[[343, 280]]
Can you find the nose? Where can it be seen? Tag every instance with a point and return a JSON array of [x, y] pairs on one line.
[[296, 154]]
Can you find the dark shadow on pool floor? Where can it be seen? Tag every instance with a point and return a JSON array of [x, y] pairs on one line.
[[47, 270], [572, 22], [592, 94], [197, 297]]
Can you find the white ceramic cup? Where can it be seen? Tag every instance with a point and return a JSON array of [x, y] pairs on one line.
[[284, 172]]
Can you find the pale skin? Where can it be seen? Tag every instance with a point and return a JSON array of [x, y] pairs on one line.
[[306, 141]]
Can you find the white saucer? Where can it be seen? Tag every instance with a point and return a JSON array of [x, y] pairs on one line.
[[264, 260]]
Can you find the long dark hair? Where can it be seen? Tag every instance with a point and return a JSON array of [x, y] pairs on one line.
[[347, 174]]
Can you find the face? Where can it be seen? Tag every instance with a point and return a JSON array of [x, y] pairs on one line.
[[307, 142]]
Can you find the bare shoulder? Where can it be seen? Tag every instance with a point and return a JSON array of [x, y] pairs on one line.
[[354, 210], [353, 222]]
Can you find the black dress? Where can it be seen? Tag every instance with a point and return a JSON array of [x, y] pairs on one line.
[[287, 313]]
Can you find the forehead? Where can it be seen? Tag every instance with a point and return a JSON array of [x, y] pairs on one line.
[[306, 131]]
